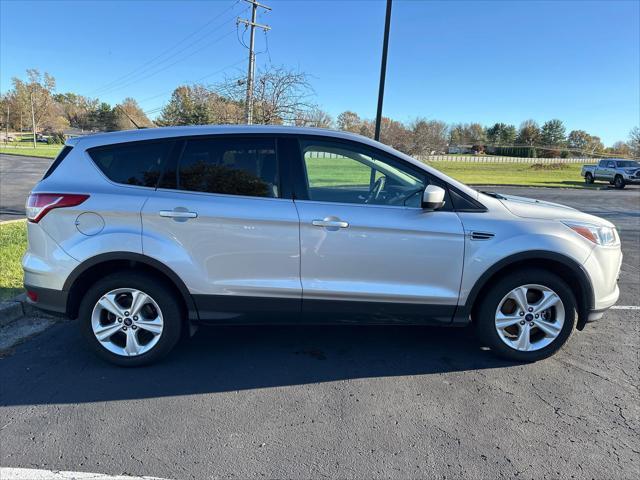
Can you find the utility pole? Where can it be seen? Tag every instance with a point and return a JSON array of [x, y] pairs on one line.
[[383, 69], [33, 120], [252, 56], [6, 139]]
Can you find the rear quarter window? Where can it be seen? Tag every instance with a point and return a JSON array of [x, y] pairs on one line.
[[139, 163], [58, 160]]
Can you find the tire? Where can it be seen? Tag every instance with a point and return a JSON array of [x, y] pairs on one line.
[[588, 178], [156, 327], [618, 182], [558, 320]]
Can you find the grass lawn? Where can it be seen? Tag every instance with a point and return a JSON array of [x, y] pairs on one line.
[[514, 174], [23, 148], [13, 243]]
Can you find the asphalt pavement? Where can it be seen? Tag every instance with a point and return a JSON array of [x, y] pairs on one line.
[[18, 175], [340, 402]]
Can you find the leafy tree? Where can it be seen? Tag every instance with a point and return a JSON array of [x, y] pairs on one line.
[[501, 134], [76, 109], [349, 121], [553, 133], [128, 116], [529, 133], [103, 118], [620, 148], [35, 96]]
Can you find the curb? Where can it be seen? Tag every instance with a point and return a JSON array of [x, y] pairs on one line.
[[17, 308]]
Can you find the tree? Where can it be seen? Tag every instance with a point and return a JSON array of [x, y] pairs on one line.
[[349, 121], [634, 142], [315, 117], [36, 96], [77, 109], [468, 134], [553, 133], [199, 105], [279, 95], [501, 134], [621, 149], [529, 133], [103, 118], [582, 143], [128, 116], [428, 137]]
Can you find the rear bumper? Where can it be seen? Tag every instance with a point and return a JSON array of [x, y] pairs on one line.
[[47, 299]]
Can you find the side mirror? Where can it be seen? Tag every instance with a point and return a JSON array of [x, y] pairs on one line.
[[433, 197]]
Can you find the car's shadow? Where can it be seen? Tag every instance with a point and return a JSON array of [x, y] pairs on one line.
[[56, 367]]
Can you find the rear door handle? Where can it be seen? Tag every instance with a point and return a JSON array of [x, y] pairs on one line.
[[330, 223], [177, 214]]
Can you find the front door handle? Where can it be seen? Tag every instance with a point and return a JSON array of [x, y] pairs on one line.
[[179, 214], [330, 222]]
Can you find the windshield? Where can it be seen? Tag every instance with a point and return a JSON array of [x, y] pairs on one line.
[[628, 163]]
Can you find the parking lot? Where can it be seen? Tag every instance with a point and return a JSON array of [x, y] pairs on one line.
[[345, 402]]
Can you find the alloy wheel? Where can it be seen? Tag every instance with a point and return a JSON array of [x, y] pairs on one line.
[[529, 317], [127, 322]]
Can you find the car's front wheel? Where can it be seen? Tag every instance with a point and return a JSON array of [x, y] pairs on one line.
[[526, 316], [618, 182], [588, 178], [130, 319]]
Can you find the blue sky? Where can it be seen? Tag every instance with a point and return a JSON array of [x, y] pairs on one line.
[[457, 61]]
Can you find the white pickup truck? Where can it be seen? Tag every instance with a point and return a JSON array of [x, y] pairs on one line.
[[617, 172]]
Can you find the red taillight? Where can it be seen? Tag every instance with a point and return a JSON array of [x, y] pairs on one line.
[[33, 296], [39, 204]]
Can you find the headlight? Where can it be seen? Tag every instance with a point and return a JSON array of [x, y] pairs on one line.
[[598, 234]]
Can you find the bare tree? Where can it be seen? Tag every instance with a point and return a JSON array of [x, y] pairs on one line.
[[429, 137], [634, 142], [280, 96], [315, 117]]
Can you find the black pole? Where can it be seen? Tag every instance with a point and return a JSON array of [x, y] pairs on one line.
[[383, 68]]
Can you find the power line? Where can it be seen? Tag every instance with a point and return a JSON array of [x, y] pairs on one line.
[[193, 82], [207, 45], [152, 63]]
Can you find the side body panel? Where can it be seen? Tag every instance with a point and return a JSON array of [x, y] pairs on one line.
[[236, 247], [386, 254]]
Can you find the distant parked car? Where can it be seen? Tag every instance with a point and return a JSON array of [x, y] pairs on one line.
[[617, 172]]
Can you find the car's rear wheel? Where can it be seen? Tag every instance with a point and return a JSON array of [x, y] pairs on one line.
[[588, 178], [526, 316], [130, 319], [618, 182]]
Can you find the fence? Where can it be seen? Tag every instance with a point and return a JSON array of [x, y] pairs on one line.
[[473, 159], [496, 159]]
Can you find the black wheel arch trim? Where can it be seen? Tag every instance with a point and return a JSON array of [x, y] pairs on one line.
[[135, 258], [578, 271]]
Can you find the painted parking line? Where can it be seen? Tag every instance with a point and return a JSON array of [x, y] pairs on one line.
[[625, 307], [33, 474]]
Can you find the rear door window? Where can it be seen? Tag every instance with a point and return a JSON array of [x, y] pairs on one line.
[[138, 163], [231, 166]]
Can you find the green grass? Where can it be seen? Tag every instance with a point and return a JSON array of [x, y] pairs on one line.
[[24, 148], [513, 174], [13, 243]]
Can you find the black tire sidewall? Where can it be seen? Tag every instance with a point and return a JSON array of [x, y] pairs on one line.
[[618, 182], [485, 321], [588, 178], [161, 294]]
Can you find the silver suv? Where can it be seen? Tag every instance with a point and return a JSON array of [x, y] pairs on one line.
[[143, 235]]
